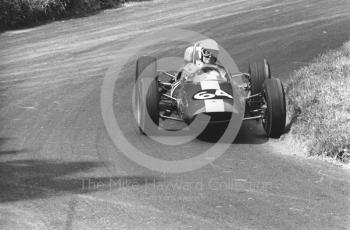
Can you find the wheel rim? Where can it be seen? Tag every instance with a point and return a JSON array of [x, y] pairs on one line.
[[267, 69], [138, 107], [138, 113], [265, 118]]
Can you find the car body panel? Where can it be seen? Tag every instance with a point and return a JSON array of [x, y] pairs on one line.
[[207, 90]]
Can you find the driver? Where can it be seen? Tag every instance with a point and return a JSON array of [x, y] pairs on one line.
[[209, 51], [201, 53]]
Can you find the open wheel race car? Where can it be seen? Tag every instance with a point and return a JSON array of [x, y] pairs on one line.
[[208, 90]]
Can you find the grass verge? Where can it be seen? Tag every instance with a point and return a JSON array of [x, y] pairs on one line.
[[319, 106], [16, 14]]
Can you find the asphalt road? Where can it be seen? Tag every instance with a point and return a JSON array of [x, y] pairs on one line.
[[60, 170]]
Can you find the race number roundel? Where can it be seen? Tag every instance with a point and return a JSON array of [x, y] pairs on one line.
[[202, 95], [211, 94]]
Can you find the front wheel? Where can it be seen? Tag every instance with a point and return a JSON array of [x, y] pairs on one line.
[[147, 95], [259, 71], [275, 115]]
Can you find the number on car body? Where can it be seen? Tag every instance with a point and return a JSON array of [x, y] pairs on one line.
[[211, 94]]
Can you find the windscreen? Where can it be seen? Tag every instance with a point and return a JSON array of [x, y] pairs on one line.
[[208, 73]]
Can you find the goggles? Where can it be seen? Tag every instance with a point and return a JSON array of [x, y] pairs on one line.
[[206, 53]]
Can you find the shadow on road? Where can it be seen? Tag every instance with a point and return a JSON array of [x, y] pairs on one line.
[[251, 132], [33, 179], [3, 151], [11, 152]]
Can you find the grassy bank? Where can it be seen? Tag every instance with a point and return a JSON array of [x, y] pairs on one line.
[[319, 105], [21, 13]]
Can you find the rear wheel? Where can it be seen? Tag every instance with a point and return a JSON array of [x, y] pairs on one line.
[[147, 95], [275, 115], [258, 71]]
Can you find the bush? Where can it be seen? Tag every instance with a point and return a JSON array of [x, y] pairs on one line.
[[19, 13], [318, 104]]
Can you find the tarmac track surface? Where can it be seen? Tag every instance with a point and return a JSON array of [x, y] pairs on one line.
[[59, 169]]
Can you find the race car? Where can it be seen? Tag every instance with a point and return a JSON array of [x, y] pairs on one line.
[[204, 86]]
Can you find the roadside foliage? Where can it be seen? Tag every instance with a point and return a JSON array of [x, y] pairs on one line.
[[15, 14], [318, 105]]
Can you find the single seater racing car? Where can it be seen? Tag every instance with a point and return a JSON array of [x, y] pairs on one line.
[[208, 89]]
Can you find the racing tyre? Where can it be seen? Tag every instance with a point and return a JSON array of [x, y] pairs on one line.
[[259, 71], [147, 95], [275, 115], [146, 66]]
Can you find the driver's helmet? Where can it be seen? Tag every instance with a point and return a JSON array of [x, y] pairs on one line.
[[209, 51]]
